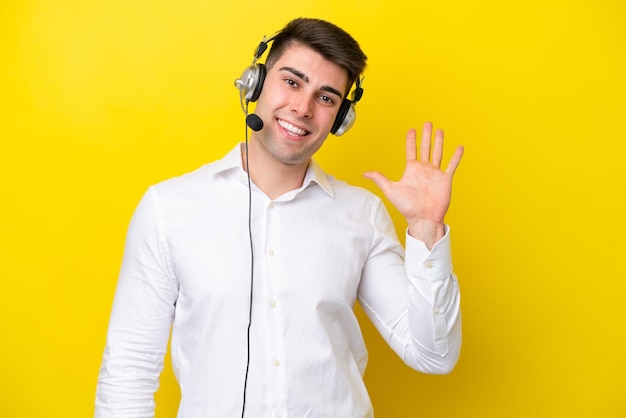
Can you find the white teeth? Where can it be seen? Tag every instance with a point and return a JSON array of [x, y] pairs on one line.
[[293, 129]]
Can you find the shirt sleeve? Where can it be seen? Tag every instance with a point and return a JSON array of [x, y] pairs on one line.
[[414, 302], [140, 321]]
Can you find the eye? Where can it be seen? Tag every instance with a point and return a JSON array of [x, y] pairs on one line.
[[291, 82], [327, 99]]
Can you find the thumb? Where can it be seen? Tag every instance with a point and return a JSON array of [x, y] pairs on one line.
[[381, 181]]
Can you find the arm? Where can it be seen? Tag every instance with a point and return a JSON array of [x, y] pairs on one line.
[[427, 334], [415, 305], [140, 320]]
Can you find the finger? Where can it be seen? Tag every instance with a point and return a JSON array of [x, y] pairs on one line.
[[381, 181], [427, 132], [455, 160], [438, 148], [411, 147]]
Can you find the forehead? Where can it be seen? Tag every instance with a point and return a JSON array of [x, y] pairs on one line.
[[318, 70]]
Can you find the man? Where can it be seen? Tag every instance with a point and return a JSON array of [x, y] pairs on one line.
[[258, 275]]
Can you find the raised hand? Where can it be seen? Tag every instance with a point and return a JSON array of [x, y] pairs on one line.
[[424, 192]]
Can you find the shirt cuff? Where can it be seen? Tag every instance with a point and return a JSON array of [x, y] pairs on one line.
[[435, 264]]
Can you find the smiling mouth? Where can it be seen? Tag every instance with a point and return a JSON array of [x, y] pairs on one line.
[[291, 129]]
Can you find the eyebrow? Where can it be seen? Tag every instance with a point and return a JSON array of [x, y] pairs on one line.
[[304, 77]]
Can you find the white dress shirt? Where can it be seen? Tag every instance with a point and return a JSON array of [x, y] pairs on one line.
[[187, 265]]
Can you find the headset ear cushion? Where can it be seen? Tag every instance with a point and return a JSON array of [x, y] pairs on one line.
[[257, 86], [345, 118]]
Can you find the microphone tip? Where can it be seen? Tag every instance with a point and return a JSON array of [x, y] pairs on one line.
[[254, 122]]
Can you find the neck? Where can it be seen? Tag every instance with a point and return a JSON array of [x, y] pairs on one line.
[[271, 177]]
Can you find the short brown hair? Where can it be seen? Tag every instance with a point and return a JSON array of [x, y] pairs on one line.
[[327, 39]]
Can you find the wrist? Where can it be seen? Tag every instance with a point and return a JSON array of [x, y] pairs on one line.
[[427, 231]]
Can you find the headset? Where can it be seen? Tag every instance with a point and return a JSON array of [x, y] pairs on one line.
[[251, 82]]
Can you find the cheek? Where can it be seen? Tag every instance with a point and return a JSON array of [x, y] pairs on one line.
[[268, 99], [330, 118], [323, 113]]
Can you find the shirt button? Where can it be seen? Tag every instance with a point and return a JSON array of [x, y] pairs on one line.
[[272, 304], [276, 363], [436, 311], [271, 205], [271, 252], [429, 264]]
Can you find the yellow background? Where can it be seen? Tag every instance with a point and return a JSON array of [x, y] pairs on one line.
[[101, 98]]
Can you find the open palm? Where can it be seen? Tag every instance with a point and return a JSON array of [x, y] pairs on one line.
[[424, 192]]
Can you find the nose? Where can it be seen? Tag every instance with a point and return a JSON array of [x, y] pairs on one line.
[[301, 106]]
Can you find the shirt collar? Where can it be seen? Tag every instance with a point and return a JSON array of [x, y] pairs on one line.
[[314, 173], [230, 161]]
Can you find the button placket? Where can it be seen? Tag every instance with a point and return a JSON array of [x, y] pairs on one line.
[[272, 251]]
